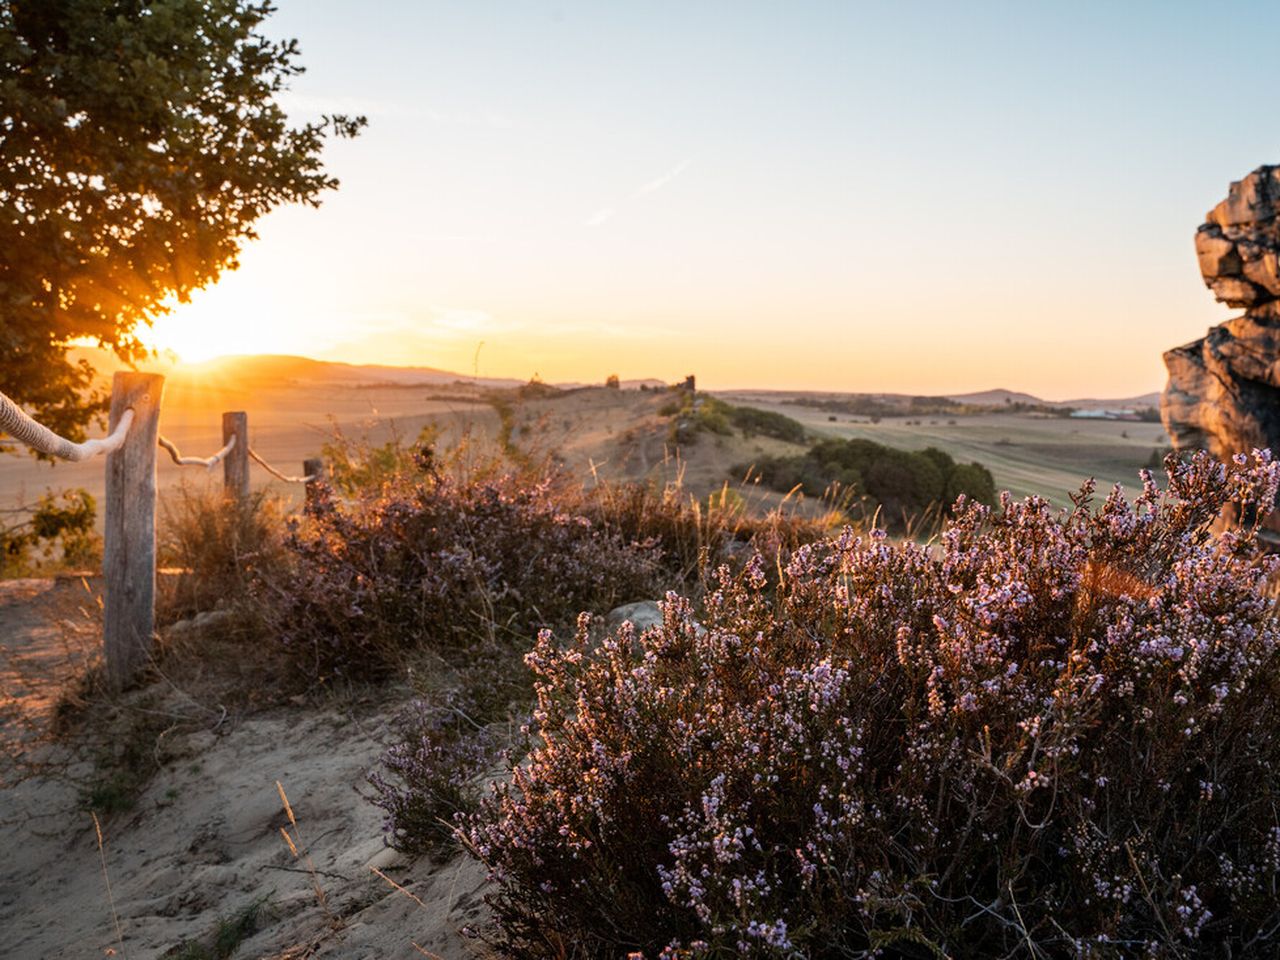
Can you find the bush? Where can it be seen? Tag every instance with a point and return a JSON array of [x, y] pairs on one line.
[[901, 485], [430, 776], [56, 533], [765, 423], [444, 562], [219, 545], [359, 466], [699, 413], [1051, 735]]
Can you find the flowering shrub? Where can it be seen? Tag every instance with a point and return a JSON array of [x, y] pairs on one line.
[[429, 775], [1053, 734], [444, 562]]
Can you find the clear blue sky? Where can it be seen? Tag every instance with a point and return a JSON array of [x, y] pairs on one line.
[[925, 197]]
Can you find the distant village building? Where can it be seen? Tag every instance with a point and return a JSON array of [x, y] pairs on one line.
[[1105, 415]]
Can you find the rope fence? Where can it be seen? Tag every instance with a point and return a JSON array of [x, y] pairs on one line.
[[15, 422], [207, 462], [277, 474], [129, 534]]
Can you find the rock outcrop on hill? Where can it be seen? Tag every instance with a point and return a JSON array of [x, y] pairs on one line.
[[1223, 393]]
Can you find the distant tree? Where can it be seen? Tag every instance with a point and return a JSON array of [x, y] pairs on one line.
[[140, 140], [973, 480], [612, 382], [903, 484]]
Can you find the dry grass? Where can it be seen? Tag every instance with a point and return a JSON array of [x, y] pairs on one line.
[[106, 879], [301, 852], [215, 546]]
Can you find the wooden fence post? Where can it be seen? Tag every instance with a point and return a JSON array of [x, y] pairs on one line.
[[235, 475], [129, 528], [313, 467]]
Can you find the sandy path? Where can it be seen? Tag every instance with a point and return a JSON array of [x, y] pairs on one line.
[[203, 842]]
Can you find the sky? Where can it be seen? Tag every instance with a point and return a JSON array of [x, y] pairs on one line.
[[910, 197]]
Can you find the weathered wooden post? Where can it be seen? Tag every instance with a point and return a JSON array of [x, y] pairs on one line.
[[129, 528], [235, 475], [312, 468]]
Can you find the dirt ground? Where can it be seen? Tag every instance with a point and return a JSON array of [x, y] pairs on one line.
[[202, 843]]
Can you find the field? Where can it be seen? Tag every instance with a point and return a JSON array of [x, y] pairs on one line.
[[1027, 454], [289, 421], [294, 409]]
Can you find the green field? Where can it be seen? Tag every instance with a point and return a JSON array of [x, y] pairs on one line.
[[1048, 456]]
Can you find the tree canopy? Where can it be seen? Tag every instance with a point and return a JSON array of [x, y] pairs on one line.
[[140, 140]]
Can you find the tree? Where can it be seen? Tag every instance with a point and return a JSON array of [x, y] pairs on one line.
[[140, 140], [612, 381]]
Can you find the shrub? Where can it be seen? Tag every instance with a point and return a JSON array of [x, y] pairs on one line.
[[359, 466], [219, 545], [57, 532], [1051, 735], [693, 534], [901, 484], [765, 423], [711, 415], [699, 413], [428, 776], [442, 563]]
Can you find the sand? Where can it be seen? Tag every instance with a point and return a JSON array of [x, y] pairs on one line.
[[203, 841]]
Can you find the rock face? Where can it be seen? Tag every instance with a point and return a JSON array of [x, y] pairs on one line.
[[1223, 393]]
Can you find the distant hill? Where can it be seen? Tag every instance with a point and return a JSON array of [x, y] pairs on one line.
[[905, 402], [993, 397], [284, 370], [1125, 403], [1012, 396], [275, 369]]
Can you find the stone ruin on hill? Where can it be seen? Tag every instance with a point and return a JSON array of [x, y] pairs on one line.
[[1223, 393]]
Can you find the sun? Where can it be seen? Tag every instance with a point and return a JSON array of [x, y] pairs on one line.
[[231, 318], [190, 342]]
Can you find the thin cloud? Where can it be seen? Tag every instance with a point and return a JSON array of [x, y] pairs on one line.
[[605, 214], [663, 180]]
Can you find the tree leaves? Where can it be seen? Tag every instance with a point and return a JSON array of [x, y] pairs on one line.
[[141, 140]]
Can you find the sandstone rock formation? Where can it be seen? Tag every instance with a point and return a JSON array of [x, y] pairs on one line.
[[1223, 393]]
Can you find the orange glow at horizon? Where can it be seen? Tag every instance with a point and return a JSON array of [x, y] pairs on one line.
[[948, 211]]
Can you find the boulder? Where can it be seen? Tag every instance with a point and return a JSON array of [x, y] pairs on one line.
[[206, 620], [643, 615], [1223, 393]]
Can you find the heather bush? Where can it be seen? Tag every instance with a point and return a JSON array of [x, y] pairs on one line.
[[429, 775], [443, 562], [691, 533], [1051, 734]]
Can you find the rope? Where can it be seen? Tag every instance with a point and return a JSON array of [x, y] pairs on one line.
[[15, 422], [207, 462], [277, 474]]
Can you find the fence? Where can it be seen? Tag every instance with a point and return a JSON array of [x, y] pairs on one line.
[[129, 519]]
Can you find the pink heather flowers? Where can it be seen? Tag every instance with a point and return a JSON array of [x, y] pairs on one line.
[[435, 561], [1050, 734]]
